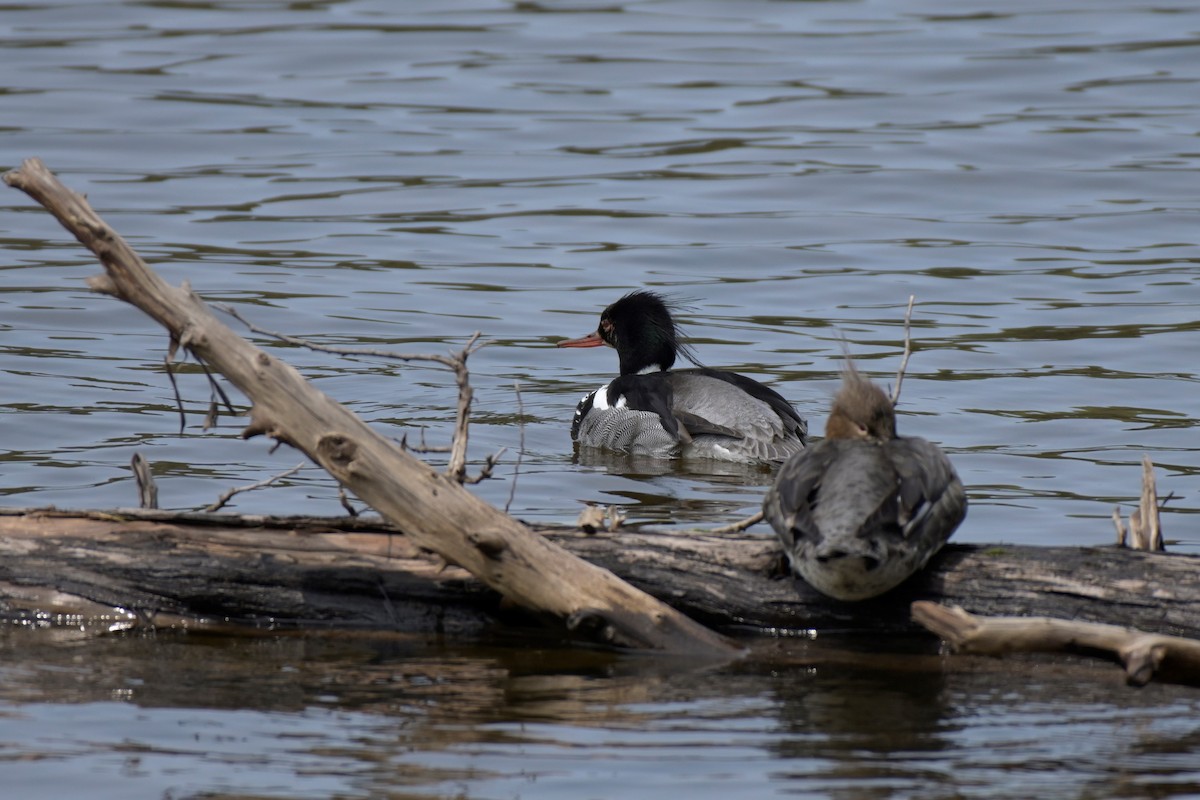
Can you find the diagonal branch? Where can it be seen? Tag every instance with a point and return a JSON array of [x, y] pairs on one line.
[[435, 510]]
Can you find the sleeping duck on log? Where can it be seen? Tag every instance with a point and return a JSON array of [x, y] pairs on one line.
[[863, 509]]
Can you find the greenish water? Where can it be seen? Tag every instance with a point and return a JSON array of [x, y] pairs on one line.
[[402, 175]]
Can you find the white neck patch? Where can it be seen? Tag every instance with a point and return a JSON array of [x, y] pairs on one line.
[[600, 400]]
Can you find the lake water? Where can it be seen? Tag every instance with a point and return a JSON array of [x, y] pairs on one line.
[[402, 175]]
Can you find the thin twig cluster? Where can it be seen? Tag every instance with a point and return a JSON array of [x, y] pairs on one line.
[[457, 361], [216, 392]]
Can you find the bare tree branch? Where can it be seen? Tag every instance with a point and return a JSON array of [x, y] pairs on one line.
[[433, 509], [512, 489], [229, 494], [907, 349], [1142, 653], [740, 525]]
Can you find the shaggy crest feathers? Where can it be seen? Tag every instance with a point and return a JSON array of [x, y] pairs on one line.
[[861, 409], [657, 338]]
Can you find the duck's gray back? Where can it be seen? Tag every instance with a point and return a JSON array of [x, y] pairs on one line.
[[761, 434]]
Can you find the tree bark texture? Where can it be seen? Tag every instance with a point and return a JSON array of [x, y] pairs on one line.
[[352, 573]]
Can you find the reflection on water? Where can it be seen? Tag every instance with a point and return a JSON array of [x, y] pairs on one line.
[[666, 492], [293, 717]]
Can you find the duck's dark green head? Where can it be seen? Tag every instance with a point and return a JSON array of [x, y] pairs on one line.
[[643, 332]]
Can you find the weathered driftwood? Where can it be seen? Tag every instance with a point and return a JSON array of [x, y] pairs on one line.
[[1143, 654], [433, 508], [1145, 523], [356, 573]]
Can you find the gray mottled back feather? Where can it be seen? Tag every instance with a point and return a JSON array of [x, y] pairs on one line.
[[626, 431]]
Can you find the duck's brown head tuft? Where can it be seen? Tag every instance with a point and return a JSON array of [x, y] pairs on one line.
[[861, 410]]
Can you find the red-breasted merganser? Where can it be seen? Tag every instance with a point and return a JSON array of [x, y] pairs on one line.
[[654, 410], [863, 509]]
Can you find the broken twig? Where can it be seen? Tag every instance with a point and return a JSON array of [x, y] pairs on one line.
[[1141, 653], [512, 489], [907, 349], [147, 490], [231, 493], [1145, 525], [740, 525]]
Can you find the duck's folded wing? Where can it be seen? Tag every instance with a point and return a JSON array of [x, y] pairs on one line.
[[730, 401], [791, 501], [789, 420], [931, 498], [699, 426]]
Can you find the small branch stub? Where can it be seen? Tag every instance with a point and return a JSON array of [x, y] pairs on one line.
[[147, 489], [339, 449], [490, 543], [1145, 524]]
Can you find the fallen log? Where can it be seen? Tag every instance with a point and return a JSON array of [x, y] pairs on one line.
[[433, 508], [165, 568]]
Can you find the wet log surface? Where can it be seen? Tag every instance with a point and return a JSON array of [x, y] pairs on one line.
[[139, 567]]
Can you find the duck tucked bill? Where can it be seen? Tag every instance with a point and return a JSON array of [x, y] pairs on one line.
[[652, 409], [863, 509]]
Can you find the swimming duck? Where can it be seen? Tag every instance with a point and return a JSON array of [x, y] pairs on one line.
[[863, 509], [651, 409]]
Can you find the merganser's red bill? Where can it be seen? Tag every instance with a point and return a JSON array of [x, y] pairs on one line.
[[591, 340]]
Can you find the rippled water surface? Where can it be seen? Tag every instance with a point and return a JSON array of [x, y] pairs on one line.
[[163, 717], [401, 175]]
